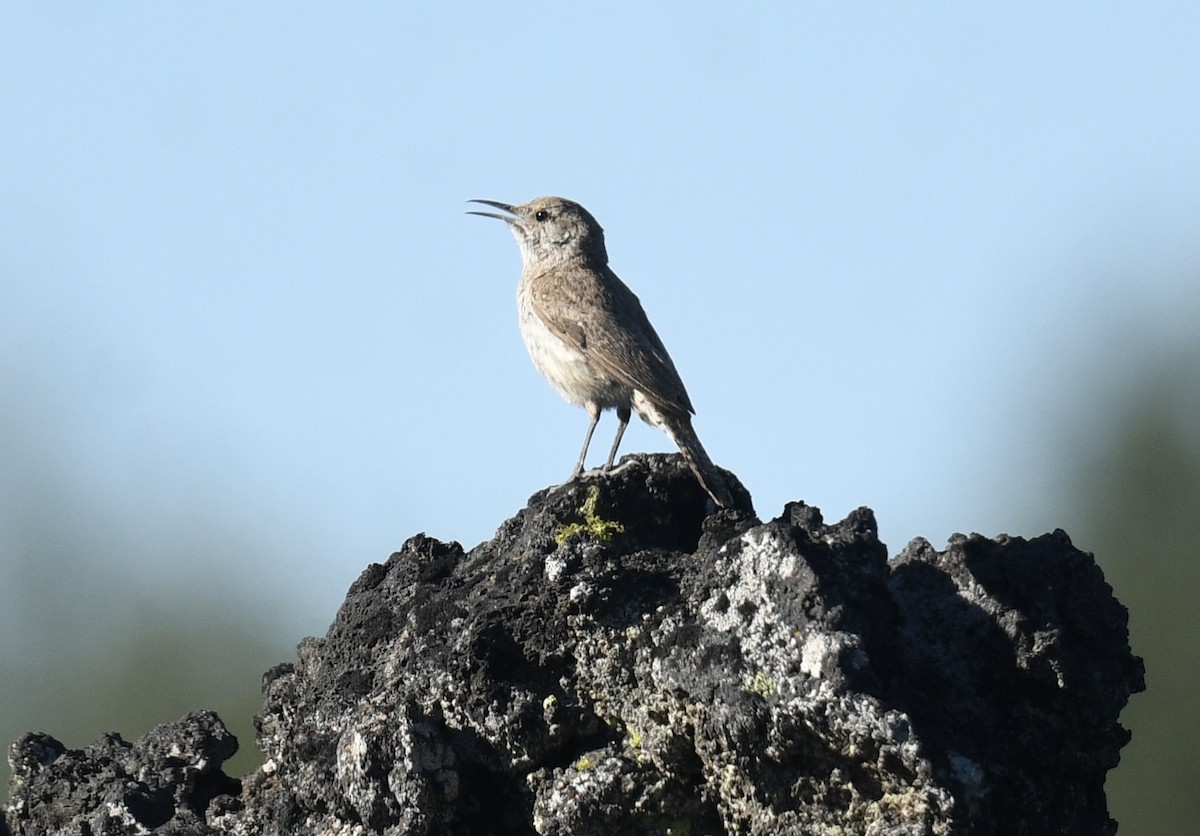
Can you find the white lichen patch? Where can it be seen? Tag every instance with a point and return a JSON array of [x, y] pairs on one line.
[[746, 605]]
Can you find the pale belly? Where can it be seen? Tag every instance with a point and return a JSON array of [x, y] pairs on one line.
[[567, 369]]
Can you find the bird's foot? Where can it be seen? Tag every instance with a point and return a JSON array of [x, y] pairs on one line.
[[593, 473], [590, 473], [611, 468]]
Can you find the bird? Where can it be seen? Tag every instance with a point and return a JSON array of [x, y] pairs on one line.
[[588, 335]]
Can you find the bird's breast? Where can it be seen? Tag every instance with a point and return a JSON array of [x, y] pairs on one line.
[[566, 367]]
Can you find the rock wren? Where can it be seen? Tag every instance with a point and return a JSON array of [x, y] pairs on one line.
[[588, 335]]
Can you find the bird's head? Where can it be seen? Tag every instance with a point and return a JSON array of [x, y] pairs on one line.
[[551, 230]]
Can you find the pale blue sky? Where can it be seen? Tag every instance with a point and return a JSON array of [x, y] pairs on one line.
[[885, 246]]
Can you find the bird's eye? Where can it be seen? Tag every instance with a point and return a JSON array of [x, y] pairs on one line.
[[541, 215]]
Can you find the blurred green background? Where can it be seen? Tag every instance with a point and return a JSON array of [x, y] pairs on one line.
[[1131, 495], [88, 645]]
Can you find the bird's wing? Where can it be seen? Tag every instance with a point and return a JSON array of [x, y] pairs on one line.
[[604, 320]]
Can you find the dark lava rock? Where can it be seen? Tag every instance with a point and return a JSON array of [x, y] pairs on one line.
[[163, 784], [619, 661]]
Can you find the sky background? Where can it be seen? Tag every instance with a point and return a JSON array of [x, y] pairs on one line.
[[250, 342]]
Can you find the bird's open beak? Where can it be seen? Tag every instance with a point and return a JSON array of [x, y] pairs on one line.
[[504, 207]]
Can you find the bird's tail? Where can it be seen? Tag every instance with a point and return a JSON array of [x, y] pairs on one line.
[[679, 428]]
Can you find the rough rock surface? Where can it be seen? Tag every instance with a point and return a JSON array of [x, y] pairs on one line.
[[616, 662], [163, 784]]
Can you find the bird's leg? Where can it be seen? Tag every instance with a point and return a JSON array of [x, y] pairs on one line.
[[594, 411], [623, 419]]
